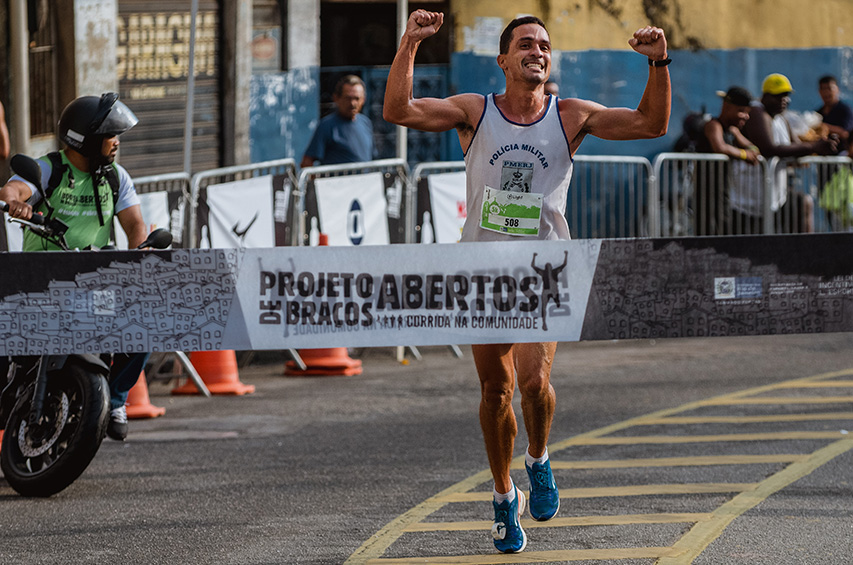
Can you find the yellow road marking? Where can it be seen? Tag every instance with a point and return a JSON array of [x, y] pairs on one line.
[[702, 534], [780, 400], [558, 556], [376, 545], [565, 522], [768, 436], [601, 492], [765, 419], [699, 460], [817, 384]]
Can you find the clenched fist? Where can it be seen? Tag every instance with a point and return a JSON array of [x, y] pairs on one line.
[[423, 24], [649, 41]]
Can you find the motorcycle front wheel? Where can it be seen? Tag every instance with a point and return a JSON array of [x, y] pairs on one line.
[[42, 460]]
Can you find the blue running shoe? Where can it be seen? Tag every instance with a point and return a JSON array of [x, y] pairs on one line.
[[507, 532], [544, 496]]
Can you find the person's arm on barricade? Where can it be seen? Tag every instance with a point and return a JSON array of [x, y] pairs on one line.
[[744, 151], [759, 130]]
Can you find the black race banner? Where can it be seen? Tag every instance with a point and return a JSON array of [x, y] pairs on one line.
[[520, 291]]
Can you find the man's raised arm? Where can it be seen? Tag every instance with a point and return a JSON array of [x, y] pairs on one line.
[[651, 118], [401, 108]]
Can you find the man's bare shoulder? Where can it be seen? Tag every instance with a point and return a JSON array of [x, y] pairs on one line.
[[472, 105], [578, 105], [470, 102], [574, 113]]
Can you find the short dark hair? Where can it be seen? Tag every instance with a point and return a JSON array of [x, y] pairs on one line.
[[348, 79], [826, 79], [506, 35]]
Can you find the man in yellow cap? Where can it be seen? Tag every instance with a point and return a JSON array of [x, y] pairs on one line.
[[768, 130]]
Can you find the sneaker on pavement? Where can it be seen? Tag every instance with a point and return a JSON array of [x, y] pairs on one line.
[[117, 426], [506, 531], [544, 496]]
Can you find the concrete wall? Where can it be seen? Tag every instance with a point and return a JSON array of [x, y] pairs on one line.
[[689, 24]]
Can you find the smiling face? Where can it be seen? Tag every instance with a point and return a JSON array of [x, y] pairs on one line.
[[734, 115], [528, 57]]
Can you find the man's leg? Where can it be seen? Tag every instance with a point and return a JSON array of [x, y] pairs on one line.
[[533, 364], [495, 368], [124, 373]]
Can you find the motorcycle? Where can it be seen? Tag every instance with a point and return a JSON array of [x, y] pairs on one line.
[[54, 409]]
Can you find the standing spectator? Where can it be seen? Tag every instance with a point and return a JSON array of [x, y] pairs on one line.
[[5, 145], [771, 133], [837, 114], [722, 135], [525, 115], [346, 136]]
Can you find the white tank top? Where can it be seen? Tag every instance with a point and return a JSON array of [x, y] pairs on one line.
[[537, 154]]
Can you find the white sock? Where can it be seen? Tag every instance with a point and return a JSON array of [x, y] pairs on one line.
[[501, 498], [531, 460]]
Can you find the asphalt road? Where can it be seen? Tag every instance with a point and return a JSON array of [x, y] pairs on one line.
[[327, 470]]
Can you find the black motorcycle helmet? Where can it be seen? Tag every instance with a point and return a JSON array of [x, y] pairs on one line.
[[86, 121]]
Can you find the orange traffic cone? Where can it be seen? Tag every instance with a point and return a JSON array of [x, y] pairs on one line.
[[218, 371], [139, 404], [334, 361]]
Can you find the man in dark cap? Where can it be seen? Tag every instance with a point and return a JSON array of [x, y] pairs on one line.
[[722, 135]]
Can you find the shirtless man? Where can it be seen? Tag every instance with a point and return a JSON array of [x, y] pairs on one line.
[[527, 116]]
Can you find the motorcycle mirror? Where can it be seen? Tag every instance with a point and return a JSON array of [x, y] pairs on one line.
[[161, 238], [28, 169]]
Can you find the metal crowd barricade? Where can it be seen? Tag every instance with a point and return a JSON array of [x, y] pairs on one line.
[[418, 191], [709, 194], [821, 189], [204, 179], [607, 197], [395, 173], [171, 183]]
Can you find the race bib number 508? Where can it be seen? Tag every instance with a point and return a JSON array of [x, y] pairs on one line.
[[513, 213]]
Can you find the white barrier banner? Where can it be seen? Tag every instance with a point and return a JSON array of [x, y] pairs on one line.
[[241, 213], [447, 199], [353, 209], [14, 236], [451, 294], [155, 214]]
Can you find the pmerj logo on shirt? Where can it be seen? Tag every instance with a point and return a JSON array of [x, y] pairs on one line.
[[516, 176]]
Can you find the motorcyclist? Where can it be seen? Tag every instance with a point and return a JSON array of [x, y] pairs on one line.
[[87, 199]]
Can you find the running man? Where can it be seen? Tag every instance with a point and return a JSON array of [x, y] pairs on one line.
[[525, 115]]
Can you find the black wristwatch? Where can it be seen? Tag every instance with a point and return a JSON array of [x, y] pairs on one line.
[[661, 63]]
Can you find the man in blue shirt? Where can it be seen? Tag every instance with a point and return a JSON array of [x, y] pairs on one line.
[[345, 136], [837, 114]]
